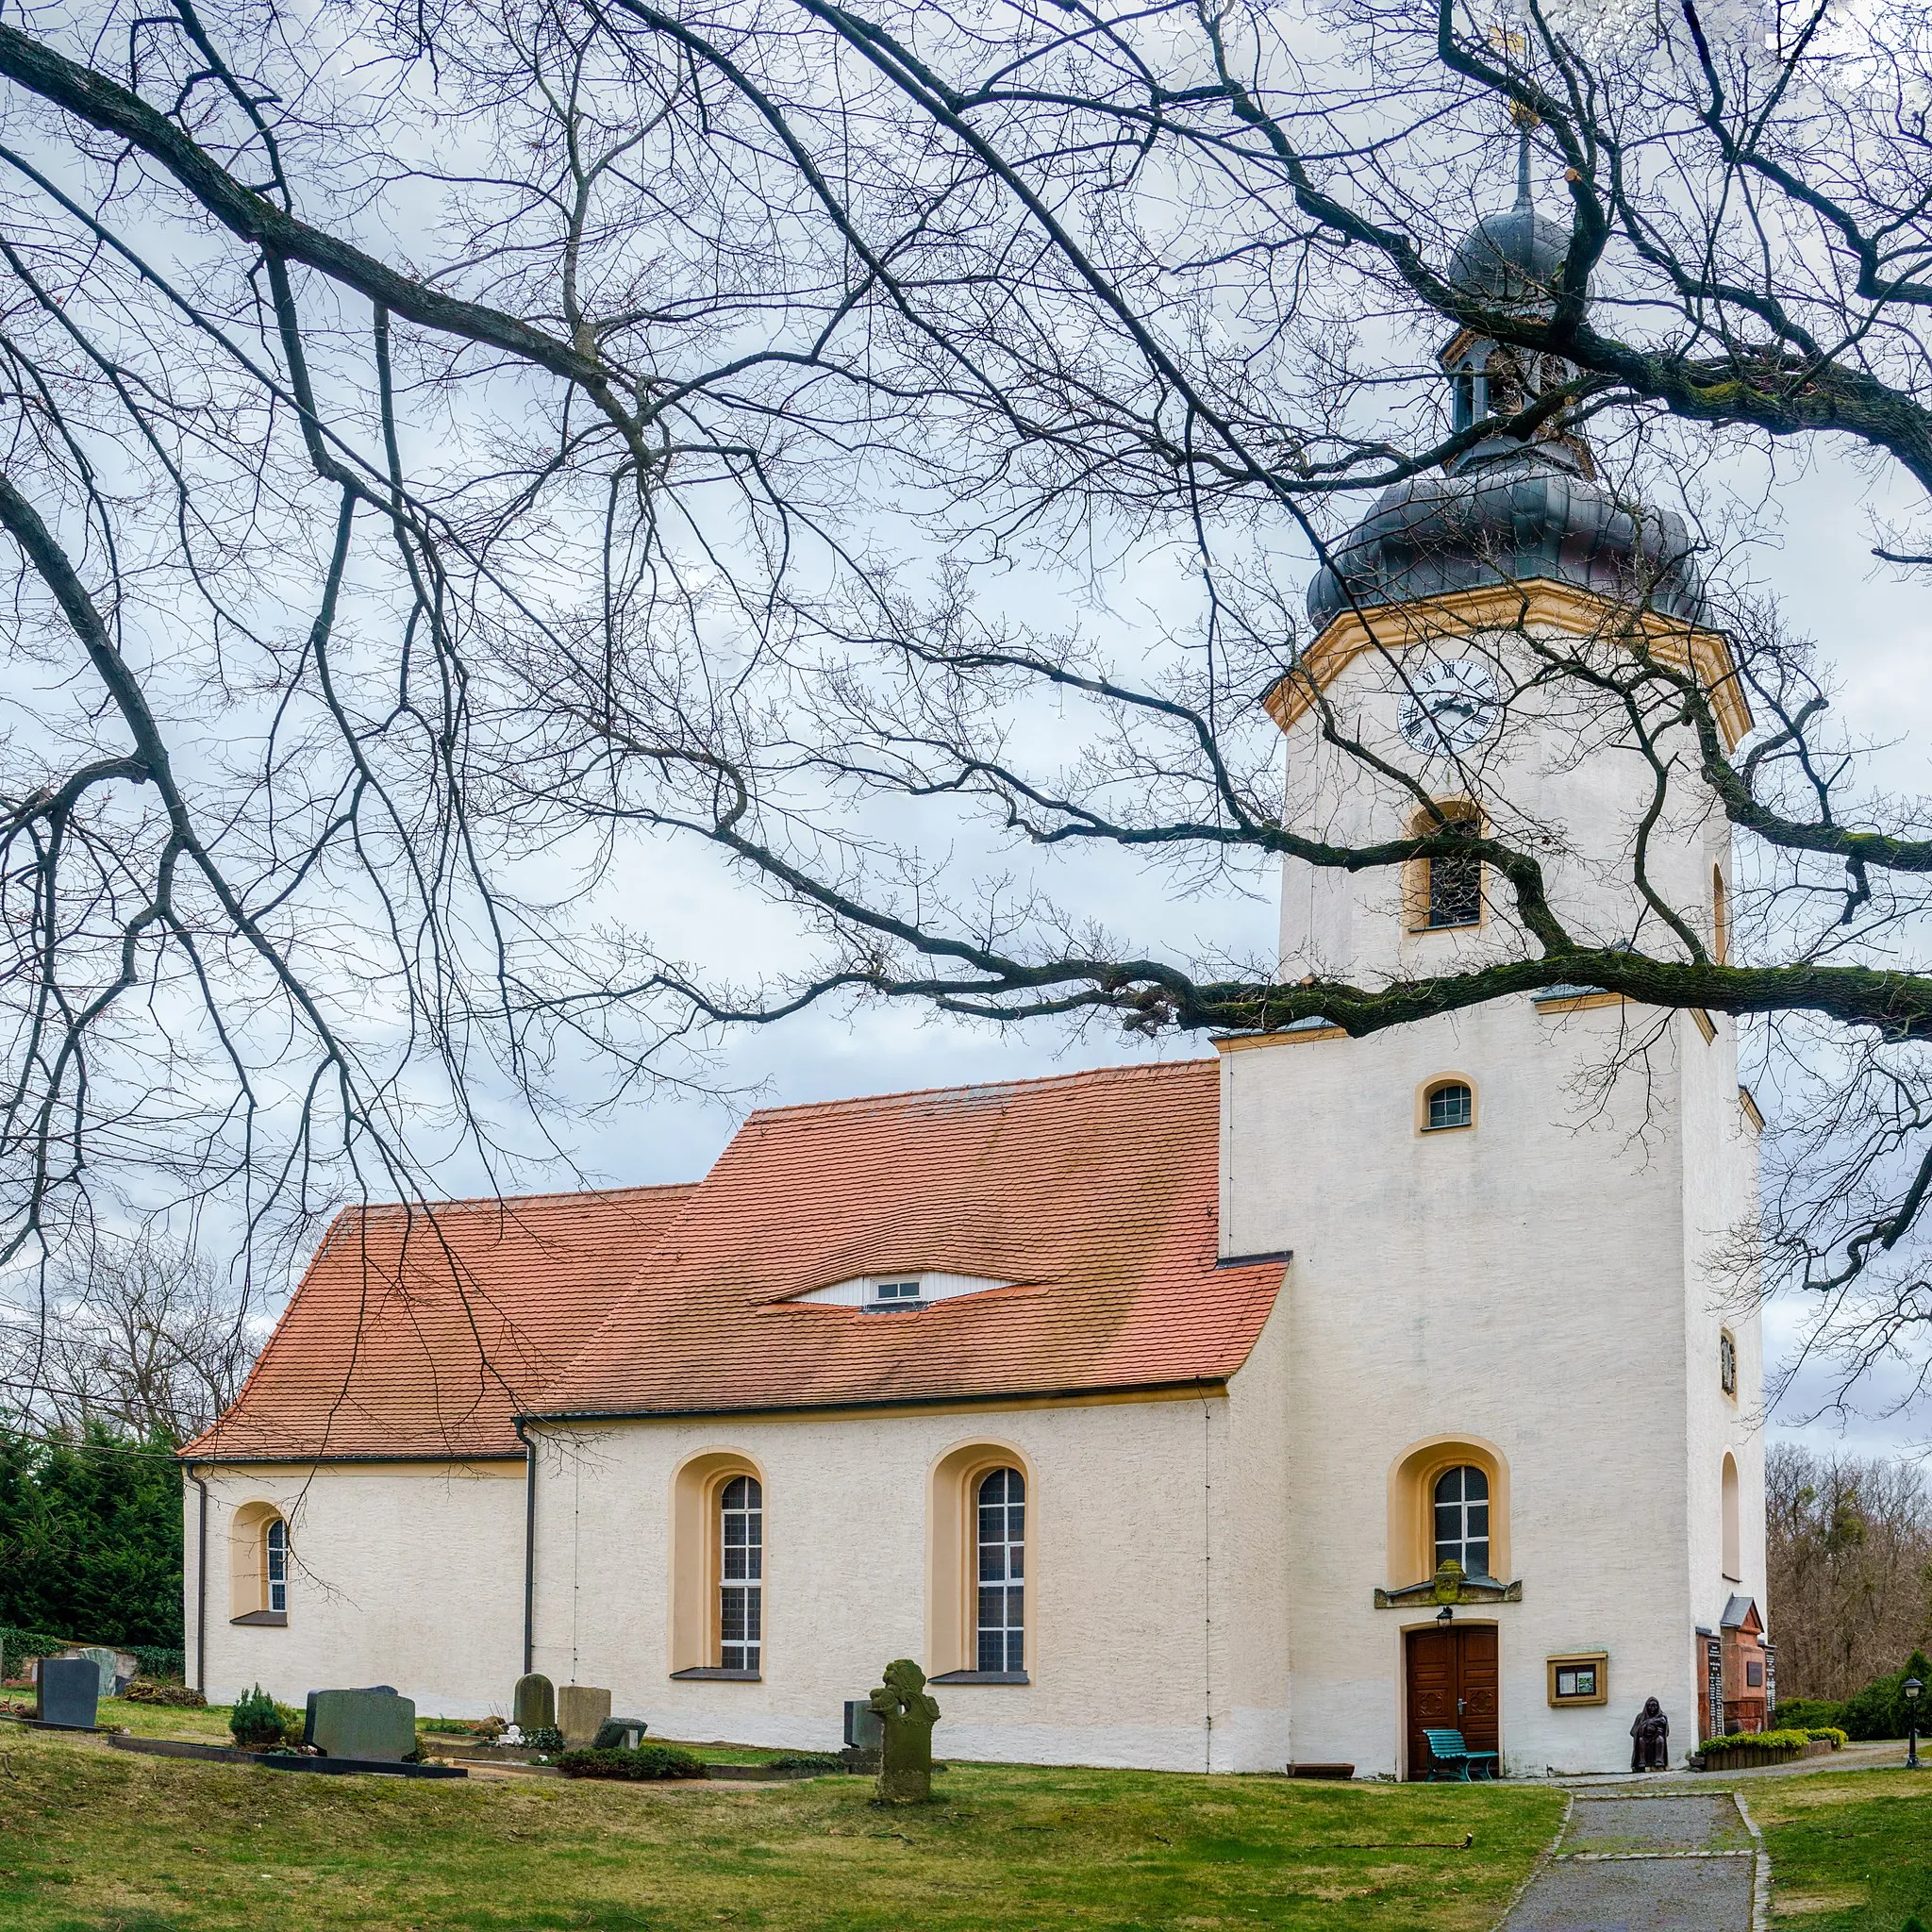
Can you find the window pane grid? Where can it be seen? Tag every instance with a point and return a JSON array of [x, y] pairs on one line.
[[1452, 1105], [1462, 1519], [278, 1554], [1002, 1569], [741, 1569]]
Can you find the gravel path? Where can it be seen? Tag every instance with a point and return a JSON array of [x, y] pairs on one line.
[[1676, 1863]]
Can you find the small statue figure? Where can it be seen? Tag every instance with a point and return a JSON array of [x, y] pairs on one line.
[[1651, 1733], [906, 1714]]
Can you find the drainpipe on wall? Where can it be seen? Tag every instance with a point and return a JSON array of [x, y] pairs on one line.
[[200, 1583], [529, 1548]]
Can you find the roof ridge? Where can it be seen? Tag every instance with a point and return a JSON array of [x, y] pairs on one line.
[[1130, 1070], [519, 1200]]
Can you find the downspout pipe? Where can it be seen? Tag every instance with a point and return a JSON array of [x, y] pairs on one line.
[[529, 1548], [200, 1583]]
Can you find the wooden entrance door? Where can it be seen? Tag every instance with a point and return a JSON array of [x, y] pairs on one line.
[[1451, 1670]]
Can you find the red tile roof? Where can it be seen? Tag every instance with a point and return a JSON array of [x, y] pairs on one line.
[[424, 1331], [1094, 1195]]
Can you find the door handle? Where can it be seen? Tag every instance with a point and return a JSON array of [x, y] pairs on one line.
[[1461, 1704]]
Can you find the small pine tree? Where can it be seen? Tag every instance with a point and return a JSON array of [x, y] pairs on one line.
[[256, 1722]]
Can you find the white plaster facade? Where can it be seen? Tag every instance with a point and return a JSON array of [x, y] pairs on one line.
[[1203, 1564]]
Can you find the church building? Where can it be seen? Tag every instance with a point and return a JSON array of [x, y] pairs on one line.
[[1270, 1406]]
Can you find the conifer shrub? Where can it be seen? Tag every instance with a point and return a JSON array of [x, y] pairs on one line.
[[256, 1721], [646, 1762]]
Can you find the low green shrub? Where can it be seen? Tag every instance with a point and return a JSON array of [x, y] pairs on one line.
[[809, 1760], [1758, 1740], [1830, 1733], [1804, 1713], [545, 1738], [256, 1721], [647, 1761]]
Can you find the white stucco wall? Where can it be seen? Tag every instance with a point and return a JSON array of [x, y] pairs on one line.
[[1127, 1523], [1522, 1284], [403, 1573]]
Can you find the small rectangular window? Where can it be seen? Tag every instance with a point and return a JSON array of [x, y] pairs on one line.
[[887, 1292]]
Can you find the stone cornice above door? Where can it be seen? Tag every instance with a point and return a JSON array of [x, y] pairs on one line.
[[1449, 1587]]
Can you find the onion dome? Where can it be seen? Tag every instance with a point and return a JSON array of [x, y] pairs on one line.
[[1508, 512], [1511, 260]]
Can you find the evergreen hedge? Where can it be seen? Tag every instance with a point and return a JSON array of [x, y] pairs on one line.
[[91, 1545]]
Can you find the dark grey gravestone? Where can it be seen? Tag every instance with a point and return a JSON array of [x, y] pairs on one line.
[[67, 1691], [620, 1734], [308, 1708], [375, 1725]]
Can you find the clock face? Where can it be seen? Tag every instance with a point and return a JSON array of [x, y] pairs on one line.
[[1451, 706]]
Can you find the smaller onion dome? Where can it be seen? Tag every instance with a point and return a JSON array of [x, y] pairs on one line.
[[1509, 512], [1511, 260]]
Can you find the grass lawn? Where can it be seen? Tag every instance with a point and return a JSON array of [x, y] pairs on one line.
[[1849, 1853], [96, 1840]]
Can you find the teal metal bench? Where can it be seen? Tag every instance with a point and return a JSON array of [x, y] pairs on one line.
[[1450, 1757]]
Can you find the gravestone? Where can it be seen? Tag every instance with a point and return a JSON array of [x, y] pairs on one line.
[[908, 1715], [581, 1709], [309, 1711], [105, 1662], [620, 1734], [863, 1735], [66, 1691], [373, 1724], [535, 1703]]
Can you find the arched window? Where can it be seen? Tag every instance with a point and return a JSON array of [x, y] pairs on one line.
[[1448, 1104], [1719, 918], [258, 1564], [1727, 1362], [274, 1553], [1733, 1566], [741, 1574], [1002, 1539], [1463, 1519], [1446, 891]]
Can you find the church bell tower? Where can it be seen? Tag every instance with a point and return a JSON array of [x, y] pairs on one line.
[[1517, 1345]]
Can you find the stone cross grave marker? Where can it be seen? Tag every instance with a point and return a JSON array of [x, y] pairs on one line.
[[908, 1715]]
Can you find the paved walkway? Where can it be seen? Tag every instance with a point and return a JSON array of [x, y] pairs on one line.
[[1674, 1861]]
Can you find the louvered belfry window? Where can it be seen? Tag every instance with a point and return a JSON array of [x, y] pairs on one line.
[[1002, 1502], [741, 1574]]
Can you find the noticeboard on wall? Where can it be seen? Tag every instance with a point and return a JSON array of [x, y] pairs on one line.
[[1582, 1676]]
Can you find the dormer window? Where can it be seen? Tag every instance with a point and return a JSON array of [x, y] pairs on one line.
[[875, 1294]]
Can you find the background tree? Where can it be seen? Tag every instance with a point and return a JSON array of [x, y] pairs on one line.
[[449, 451], [141, 1337], [1848, 1554]]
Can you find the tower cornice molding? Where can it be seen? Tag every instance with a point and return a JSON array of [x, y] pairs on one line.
[[1536, 603]]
